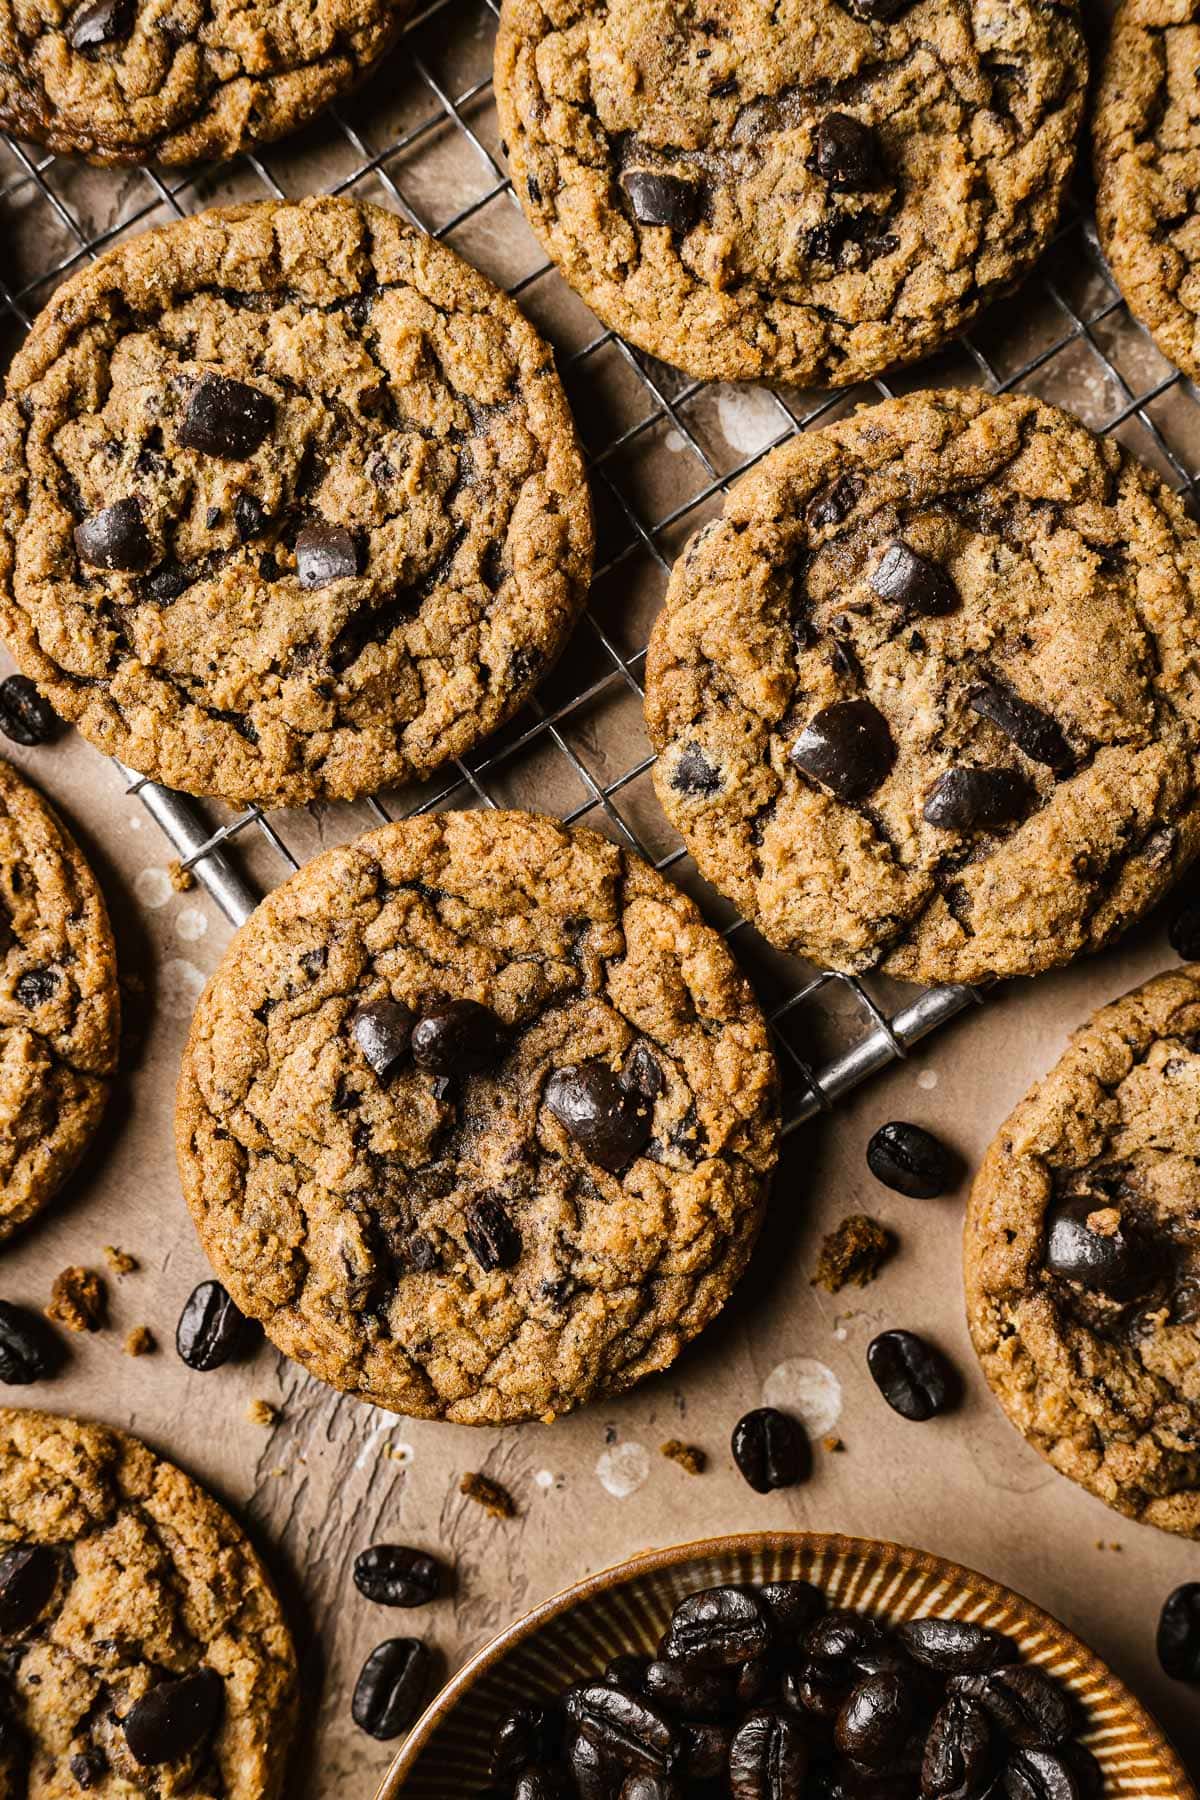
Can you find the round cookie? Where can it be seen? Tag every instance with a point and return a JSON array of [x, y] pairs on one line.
[[120, 1581], [59, 1003], [477, 1116], [1146, 147], [173, 81], [807, 191], [1082, 1257], [925, 695], [291, 501]]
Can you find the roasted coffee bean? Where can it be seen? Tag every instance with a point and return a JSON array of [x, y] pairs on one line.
[[1086, 1769], [174, 1718], [770, 1449], [716, 1628], [1184, 932], [249, 517], [753, 1680], [459, 1038], [29, 1350], [25, 716], [768, 1758], [383, 1032], [1178, 1641], [910, 1160], [911, 581], [226, 418], [627, 1728], [650, 1787], [958, 1752], [28, 1580], [660, 199], [843, 1636], [394, 1575], [493, 1239], [846, 153], [695, 773], [528, 1734], [847, 747], [955, 1646], [116, 537], [792, 1605], [595, 1775], [914, 1378], [687, 1693], [875, 1721], [100, 22], [538, 1782], [325, 553], [610, 1124], [818, 1689], [706, 1750], [1027, 1704], [1030, 729], [212, 1329], [1112, 1262], [36, 987], [391, 1687], [968, 798], [627, 1671], [1041, 1775]]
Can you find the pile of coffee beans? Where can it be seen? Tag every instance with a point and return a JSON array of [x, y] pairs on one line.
[[760, 1692]]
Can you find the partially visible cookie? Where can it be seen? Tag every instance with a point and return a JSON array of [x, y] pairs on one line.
[[477, 1117], [1146, 147], [1082, 1257], [925, 696], [59, 1003], [144, 1650], [291, 503], [173, 81]]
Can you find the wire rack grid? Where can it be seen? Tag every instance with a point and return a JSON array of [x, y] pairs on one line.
[[661, 452]]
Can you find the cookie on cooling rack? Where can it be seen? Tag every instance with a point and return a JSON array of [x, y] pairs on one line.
[[809, 192], [1082, 1257], [477, 1116], [925, 695], [171, 81], [1146, 146], [291, 503], [59, 1003]]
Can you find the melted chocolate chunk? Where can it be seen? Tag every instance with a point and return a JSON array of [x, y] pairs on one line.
[[921, 587], [694, 773], [1031, 730], [116, 537], [249, 516], [325, 553], [458, 1038], [100, 22], [494, 1240], [847, 747], [833, 503], [36, 987], [175, 1717], [28, 1582], [660, 199], [226, 418], [1116, 1261], [383, 1033], [846, 153], [610, 1123], [974, 799]]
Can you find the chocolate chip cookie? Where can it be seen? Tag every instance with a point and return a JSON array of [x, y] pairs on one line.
[[477, 1116], [802, 190], [173, 81], [144, 1650], [925, 695], [291, 500], [1082, 1257], [59, 1003], [1146, 145]]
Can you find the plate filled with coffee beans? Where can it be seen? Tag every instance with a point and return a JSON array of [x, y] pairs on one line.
[[786, 1666]]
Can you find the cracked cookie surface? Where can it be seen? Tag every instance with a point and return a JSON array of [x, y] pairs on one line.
[[120, 1579], [438, 1240], [1082, 1257], [177, 81], [777, 189], [292, 503], [59, 1003], [925, 695]]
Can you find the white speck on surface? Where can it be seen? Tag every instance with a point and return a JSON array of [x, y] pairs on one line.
[[927, 1079], [749, 418], [544, 1478], [675, 441], [623, 1469], [153, 888], [135, 824], [807, 1388], [383, 1424], [180, 984], [841, 1334], [191, 924]]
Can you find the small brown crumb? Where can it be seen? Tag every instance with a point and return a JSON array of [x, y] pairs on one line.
[[120, 1261], [489, 1494], [690, 1457], [140, 1341], [853, 1253], [181, 879], [1105, 1221], [832, 1443], [78, 1300], [261, 1412]]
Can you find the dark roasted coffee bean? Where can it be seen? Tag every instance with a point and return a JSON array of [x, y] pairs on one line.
[[1086, 1769], [768, 1758], [687, 1693], [36, 987], [610, 1124], [846, 153], [958, 1752], [660, 199], [1028, 1705], [28, 1580], [1112, 1262], [174, 1718], [792, 1605], [874, 1723], [955, 1646], [391, 1687], [394, 1575], [910, 1160], [911, 581], [847, 747], [1184, 932], [325, 553], [770, 1449], [1030, 729], [100, 22], [527, 1734], [914, 1378], [383, 1032], [1178, 1641], [458, 1038], [640, 1786], [25, 716], [706, 1750], [226, 418], [249, 516], [716, 1628], [493, 1239], [540, 1782], [627, 1671], [116, 537], [695, 773], [843, 1636], [212, 1329], [1041, 1775], [29, 1350], [973, 799], [627, 1728], [594, 1773], [818, 1688]]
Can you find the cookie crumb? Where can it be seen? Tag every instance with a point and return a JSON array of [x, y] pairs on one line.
[[261, 1412], [690, 1457], [120, 1261], [494, 1499], [78, 1300], [853, 1253], [182, 880], [140, 1341], [832, 1443]]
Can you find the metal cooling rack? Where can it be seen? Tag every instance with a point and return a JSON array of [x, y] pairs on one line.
[[422, 137]]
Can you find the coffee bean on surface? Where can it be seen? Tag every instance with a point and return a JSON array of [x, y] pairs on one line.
[[913, 1376], [770, 1449], [911, 1161], [29, 1349], [395, 1575], [391, 1687], [212, 1329], [26, 717], [1178, 1640]]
